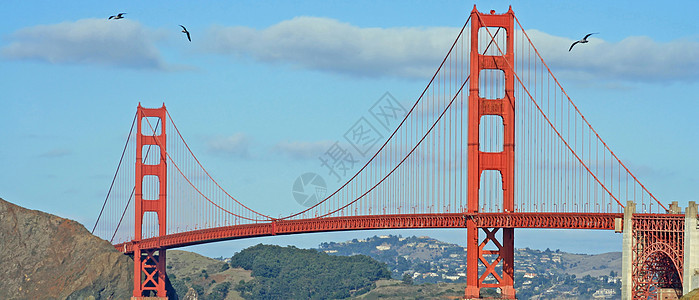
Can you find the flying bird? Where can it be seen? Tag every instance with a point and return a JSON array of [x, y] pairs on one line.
[[583, 41], [117, 17], [184, 30]]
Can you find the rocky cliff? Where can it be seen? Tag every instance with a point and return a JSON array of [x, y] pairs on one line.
[[43, 256]]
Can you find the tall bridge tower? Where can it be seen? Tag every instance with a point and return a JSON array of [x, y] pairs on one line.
[[480, 161], [149, 265]]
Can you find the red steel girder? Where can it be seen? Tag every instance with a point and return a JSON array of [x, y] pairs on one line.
[[403, 221], [153, 267], [659, 222], [453, 220], [500, 257], [657, 253], [603, 221]]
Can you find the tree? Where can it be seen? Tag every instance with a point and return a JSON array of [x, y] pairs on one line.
[[220, 291], [292, 273], [224, 267], [179, 287], [407, 279], [198, 289]]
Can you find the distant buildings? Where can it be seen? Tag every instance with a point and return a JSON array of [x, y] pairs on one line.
[[537, 272]]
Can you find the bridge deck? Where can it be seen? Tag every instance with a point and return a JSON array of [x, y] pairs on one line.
[[603, 221]]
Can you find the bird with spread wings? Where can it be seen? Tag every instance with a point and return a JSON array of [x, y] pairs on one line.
[[117, 17], [583, 41], [184, 30]]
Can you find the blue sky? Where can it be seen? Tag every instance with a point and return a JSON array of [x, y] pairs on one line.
[[264, 87]]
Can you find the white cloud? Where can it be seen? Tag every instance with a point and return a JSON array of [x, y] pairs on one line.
[[122, 43], [302, 150], [329, 45], [235, 145], [635, 58], [415, 52]]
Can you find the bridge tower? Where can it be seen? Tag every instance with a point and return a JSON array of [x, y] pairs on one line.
[[479, 161], [149, 265]]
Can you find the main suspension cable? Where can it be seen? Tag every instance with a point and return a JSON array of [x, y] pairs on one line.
[[115, 174]]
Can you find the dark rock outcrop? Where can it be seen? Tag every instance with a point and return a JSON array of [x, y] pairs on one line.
[[43, 256]]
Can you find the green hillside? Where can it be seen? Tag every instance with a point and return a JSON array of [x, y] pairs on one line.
[[207, 277], [549, 273], [420, 267], [292, 273]]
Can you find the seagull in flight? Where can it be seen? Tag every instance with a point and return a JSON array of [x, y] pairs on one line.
[[583, 41], [184, 30], [117, 17]]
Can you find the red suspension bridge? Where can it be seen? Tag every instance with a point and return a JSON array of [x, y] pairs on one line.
[[493, 143]]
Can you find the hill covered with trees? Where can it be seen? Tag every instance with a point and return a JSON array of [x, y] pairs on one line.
[[292, 273], [424, 260]]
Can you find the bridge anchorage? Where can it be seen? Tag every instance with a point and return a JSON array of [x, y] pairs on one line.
[[530, 160]]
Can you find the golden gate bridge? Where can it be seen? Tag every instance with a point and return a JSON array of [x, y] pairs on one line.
[[493, 143]]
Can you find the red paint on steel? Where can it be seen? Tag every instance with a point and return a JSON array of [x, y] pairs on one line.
[[596, 221], [503, 161], [153, 268], [657, 254]]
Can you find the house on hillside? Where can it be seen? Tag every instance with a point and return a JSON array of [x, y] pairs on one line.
[[383, 247], [604, 294]]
